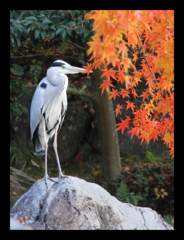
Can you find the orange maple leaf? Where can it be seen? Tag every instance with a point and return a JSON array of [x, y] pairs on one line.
[[135, 56], [105, 85], [169, 138], [144, 137], [88, 68], [133, 132], [168, 84], [127, 64], [145, 95], [132, 39], [154, 134], [134, 92], [94, 46], [121, 76], [123, 50], [109, 73], [159, 126], [118, 109], [149, 37], [130, 105], [114, 94], [149, 107], [124, 124], [124, 92]]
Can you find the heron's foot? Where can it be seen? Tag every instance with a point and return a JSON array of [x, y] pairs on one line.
[[61, 176], [46, 180], [52, 179]]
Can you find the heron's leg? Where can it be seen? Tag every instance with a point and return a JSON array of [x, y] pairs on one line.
[[46, 176], [46, 173], [61, 175]]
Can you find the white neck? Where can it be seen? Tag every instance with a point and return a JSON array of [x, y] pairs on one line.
[[52, 75]]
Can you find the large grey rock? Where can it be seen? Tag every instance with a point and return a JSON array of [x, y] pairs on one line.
[[76, 204]]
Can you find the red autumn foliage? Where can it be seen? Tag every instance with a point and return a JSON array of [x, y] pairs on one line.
[[148, 36]]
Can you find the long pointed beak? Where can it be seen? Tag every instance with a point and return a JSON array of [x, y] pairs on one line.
[[75, 69]]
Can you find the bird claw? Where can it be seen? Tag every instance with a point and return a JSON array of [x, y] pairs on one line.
[[46, 182], [61, 176]]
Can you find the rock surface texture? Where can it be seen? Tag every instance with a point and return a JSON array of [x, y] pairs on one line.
[[73, 204]]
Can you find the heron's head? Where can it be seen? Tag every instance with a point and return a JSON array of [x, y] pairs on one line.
[[63, 67]]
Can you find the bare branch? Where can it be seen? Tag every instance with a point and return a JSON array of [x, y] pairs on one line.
[[42, 54], [28, 56], [76, 92]]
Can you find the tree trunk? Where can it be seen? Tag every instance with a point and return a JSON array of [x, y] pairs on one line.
[[111, 165]]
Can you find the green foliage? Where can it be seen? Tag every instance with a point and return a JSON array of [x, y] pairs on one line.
[[37, 25], [16, 69], [17, 156], [12, 201], [43, 32], [154, 180], [16, 109], [123, 194], [18, 84], [23, 158], [150, 156], [169, 219], [35, 66], [34, 72]]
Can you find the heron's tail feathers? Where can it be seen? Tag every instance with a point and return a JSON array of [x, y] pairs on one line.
[[42, 152], [38, 143], [38, 148]]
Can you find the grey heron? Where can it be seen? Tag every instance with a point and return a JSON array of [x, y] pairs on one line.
[[48, 108]]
